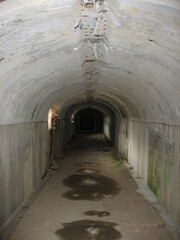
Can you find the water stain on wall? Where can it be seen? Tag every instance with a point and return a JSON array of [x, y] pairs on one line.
[[154, 162]]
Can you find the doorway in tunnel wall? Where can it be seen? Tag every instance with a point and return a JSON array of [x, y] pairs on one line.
[[52, 122], [89, 121]]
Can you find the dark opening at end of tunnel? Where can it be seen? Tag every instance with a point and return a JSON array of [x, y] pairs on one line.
[[89, 121]]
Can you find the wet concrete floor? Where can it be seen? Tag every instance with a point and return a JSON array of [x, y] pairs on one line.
[[91, 197], [89, 230], [89, 186]]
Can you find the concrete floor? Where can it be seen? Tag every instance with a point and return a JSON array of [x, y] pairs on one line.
[[96, 201]]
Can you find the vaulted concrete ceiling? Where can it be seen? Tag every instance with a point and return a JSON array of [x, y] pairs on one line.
[[124, 52]]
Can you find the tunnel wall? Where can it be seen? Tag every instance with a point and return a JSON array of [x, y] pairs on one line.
[[58, 143], [23, 164], [122, 138], [153, 151], [64, 132], [109, 128], [106, 127]]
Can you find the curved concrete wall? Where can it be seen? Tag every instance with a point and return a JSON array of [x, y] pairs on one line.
[[122, 54], [125, 50]]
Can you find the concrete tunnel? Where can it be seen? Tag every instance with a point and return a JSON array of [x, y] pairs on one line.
[[118, 60]]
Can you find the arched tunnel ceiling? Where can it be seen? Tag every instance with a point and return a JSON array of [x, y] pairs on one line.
[[73, 108], [125, 52]]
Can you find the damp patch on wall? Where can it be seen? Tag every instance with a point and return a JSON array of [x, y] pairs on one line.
[[154, 161]]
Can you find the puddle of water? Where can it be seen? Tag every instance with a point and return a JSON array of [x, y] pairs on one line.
[[90, 187], [89, 230], [97, 213], [103, 150], [88, 164], [88, 171]]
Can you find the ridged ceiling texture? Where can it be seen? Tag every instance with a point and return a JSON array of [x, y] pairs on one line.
[[124, 53]]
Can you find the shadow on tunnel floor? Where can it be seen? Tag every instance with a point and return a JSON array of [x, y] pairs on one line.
[[91, 141]]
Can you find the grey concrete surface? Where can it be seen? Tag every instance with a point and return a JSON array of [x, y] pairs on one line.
[[120, 57], [23, 163], [134, 216], [61, 52]]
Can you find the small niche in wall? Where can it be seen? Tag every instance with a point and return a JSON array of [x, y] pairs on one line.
[[52, 116]]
